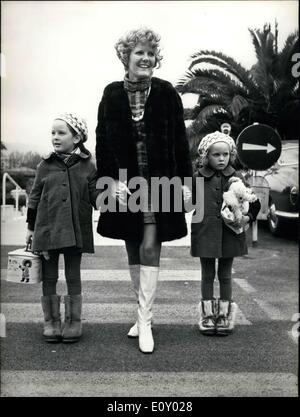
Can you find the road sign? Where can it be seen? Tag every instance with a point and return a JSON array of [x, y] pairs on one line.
[[258, 146], [261, 188]]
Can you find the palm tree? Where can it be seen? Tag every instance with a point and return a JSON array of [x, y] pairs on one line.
[[267, 93]]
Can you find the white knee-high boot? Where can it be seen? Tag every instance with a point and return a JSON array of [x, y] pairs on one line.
[[134, 271], [147, 290]]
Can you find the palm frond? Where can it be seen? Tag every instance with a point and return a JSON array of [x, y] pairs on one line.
[[209, 111], [237, 105], [197, 80], [290, 47], [268, 93], [223, 60]]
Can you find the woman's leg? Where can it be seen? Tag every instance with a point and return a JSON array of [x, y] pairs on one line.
[[150, 247], [133, 254], [208, 272], [224, 275], [150, 256]]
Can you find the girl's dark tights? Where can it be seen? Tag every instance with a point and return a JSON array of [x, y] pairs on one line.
[[72, 272], [208, 268]]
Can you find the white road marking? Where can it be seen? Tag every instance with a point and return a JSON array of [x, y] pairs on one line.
[[182, 314], [245, 285], [272, 312], [123, 275], [136, 384], [164, 275]]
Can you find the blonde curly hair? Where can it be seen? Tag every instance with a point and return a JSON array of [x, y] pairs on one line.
[[128, 42]]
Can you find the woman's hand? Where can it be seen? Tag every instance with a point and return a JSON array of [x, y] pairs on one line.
[[187, 194], [118, 190], [121, 190]]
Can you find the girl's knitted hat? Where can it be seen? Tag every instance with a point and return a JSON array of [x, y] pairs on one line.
[[77, 123], [213, 138]]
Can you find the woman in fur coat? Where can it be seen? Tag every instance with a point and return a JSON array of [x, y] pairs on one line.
[[141, 130]]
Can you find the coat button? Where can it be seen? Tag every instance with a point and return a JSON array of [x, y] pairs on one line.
[[64, 200], [218, 216], [217, 188]]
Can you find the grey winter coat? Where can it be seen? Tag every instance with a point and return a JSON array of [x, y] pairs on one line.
[[62, 197], [211, 238]]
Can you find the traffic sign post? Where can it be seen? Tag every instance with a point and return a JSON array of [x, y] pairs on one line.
[[258, 148]]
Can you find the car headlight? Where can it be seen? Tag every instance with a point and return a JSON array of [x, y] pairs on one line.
[[294, 195]]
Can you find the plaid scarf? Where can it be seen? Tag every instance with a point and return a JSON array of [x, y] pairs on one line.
[[68, 158], [138, 92]]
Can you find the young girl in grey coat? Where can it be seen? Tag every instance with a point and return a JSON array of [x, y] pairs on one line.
[[59, 220], [213, 239]]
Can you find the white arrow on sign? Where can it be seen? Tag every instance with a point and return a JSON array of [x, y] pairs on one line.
[[252, 147]]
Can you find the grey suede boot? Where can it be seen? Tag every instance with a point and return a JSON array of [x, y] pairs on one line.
[[52, 320], [72, 330], [207, 318], [226, 314]]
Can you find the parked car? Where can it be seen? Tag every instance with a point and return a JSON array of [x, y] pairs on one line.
[[283, 180]]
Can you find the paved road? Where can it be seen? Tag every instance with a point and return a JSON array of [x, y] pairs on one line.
[[259, 359]]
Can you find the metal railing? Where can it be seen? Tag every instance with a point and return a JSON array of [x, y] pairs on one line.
[[6, 176]]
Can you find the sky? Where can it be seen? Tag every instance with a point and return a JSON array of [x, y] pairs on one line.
[[58, 56]]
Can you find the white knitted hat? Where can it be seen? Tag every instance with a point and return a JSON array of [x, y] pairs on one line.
[[213, 138], [77, 123]]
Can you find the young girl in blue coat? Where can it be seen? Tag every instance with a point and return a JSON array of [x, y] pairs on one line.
[[213, 239], [59, 220]]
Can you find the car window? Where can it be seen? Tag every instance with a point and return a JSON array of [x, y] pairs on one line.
[[289, 156]]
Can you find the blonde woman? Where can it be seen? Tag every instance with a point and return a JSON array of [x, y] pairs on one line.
[[141, 129]]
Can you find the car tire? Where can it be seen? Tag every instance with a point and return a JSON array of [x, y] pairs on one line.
[[275, 223]]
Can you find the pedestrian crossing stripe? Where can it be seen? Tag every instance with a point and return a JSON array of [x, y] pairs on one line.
[[184, 275], [180, 314], [123, 275], [41, 383]]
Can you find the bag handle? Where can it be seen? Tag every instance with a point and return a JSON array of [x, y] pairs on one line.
[[28, 246]]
